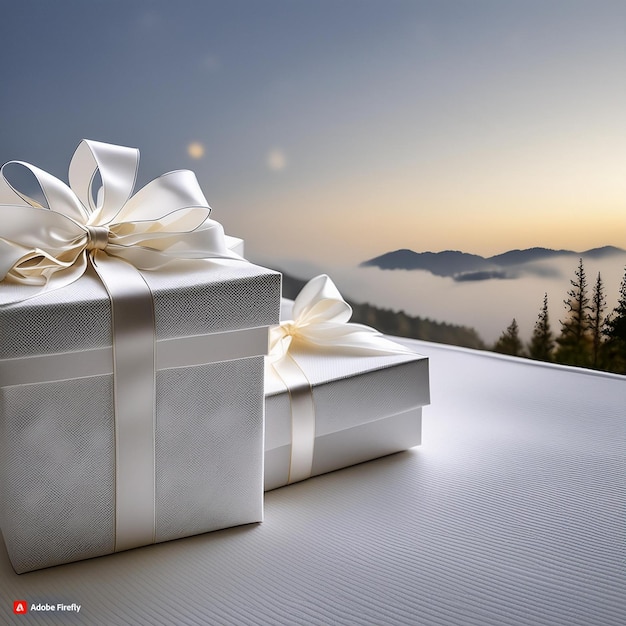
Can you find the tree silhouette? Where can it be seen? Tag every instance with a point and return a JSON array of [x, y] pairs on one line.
[[509, 342], [403, 325], [574, 341], [615, 332], [541, 343], [596, 321]]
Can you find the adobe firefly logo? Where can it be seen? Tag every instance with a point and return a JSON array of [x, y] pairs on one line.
[[20, 607]]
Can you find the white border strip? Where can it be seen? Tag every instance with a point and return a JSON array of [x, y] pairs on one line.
[[170, 353]]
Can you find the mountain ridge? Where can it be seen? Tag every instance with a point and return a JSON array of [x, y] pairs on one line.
[[463, 266]]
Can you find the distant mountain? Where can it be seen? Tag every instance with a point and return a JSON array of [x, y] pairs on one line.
[[519, 257], [603, 253], [462, 266], [445, 263]]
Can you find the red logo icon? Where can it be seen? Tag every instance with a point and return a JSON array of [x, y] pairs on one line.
[[20, 607]]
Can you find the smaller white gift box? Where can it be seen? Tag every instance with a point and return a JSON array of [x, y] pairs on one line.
[[336, 393]]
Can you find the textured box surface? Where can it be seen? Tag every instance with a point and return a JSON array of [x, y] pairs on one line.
[[365, 407], [57, 437]]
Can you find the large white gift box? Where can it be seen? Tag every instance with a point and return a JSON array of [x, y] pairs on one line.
[[336, 393], [131, 400]]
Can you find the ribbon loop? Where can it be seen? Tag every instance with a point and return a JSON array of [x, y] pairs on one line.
[[56, 193], [117, 166]]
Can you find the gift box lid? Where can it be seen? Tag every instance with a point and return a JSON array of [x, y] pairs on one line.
[[347, 390], [190, 298]]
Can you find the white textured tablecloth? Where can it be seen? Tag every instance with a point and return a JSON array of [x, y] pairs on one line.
[[513, 511]]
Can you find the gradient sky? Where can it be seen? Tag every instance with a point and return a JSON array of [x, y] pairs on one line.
[[341, 130]]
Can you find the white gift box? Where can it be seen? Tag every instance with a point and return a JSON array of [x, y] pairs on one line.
[[358, 407], [365, 407], [57, 429], [101, 448]]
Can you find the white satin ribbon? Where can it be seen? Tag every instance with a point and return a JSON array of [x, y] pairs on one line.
[[49, 247], [321, 324], [118, 233], [132, 317], [302, 417]]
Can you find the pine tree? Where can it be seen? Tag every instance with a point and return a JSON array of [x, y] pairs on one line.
[[541, 343], [615, 332], [596, 322], [509, 342], [574, 340]]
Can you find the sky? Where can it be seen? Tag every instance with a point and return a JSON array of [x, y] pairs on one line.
[[335, 131]]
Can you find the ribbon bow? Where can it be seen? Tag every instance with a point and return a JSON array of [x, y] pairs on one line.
[[321, 322], [50, 246]]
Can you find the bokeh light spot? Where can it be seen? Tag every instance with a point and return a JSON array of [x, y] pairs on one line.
[[276, 160], [195, 150]]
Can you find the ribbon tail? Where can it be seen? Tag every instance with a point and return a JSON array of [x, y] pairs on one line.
[[30, 288], [347, 339]]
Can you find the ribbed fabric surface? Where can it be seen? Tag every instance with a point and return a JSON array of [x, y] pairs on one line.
[[512, 512]]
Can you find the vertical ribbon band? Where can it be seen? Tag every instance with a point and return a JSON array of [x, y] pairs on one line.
[[133, 329], [302, 417]]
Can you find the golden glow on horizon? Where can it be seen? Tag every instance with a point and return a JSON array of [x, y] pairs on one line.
[[554, 193], [352, 220]]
